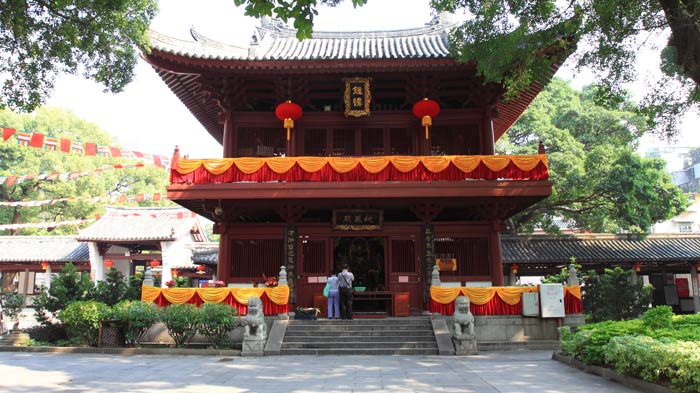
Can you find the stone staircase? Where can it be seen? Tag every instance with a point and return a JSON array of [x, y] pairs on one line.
[[386, 336]]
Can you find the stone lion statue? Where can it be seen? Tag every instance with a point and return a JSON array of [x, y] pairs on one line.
[[255, 320], [464, 320]]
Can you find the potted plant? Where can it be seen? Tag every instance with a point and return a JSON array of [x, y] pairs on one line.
[[12, 304], [270, 281], [170, 283], [306, 313]]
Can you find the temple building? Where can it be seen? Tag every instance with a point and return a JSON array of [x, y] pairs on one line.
[[374, 149]]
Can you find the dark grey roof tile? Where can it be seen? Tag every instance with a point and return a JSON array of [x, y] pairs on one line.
[[42, 248]]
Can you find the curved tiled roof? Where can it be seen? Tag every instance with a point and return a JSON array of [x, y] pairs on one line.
[[205, 253], [141, 224], [600, 249], [43, 248]]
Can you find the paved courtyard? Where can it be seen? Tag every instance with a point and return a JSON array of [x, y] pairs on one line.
[[516, 371]]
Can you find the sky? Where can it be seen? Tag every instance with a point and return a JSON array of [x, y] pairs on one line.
[[147, 116]]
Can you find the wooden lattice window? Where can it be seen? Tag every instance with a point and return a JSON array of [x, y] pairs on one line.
[[315, 142], [253, 258], [314, 252], [372, 142], [462, 140], [343, 142], [472, 254], [400, 142], [260, 142], [403, 256]]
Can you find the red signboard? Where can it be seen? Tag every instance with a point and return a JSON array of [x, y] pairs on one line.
[[682, 287]]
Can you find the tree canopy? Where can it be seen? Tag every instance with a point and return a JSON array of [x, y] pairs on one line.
[[600, 183], [21, 160], [515, 42], [40, 39]]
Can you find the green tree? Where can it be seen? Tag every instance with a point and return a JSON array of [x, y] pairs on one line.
[[112, 290], [516, 43], [40, 39], [68, 286], [599, 182], [613, 296], [20, 160]]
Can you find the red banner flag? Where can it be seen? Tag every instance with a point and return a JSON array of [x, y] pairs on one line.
[[65, 145], [116, 152], [10, 180], [7, 133], [37, 140], [156, 197], [90, 149]]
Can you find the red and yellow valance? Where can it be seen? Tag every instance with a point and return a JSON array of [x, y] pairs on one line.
[[375, 168], [275, 300], [496, 300]]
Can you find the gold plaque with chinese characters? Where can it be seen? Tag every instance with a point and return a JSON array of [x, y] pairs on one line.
[[358, 220], [357, 97]]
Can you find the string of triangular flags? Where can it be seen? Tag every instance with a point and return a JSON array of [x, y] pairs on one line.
[[47, 142], [155, 197], [45, 225], [13, 179]]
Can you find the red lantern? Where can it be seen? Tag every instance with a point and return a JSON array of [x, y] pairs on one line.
[[201, 269], [637, 267], [175, 272], [425, 110], [109, 263], [288, 112], [697, 266], [155, 263], [44, 265], [514, 268]]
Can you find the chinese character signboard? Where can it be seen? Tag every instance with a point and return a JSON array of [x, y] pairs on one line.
[[358, 220], [428, 243], [357, 97], [290, 245]]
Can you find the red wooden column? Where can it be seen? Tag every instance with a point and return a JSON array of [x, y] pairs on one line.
[[487, 138], [229, 137], [496, 254]]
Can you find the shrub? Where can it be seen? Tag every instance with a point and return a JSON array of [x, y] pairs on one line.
[[612, 296], [12, 304], [49, 333], [68, 286], [82, 319], [660, 317], [136, 317], [112, 289], [216, 321], [182, 321]]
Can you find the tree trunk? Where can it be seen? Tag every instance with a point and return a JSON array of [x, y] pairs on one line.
[[684, 19]]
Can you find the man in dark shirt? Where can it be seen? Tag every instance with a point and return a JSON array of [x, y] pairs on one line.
[[345, 279]]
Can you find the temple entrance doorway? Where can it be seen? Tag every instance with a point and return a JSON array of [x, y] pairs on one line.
[[365, 257]]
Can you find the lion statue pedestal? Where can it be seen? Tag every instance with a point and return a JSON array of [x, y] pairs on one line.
[[255, 329], [464, 337]]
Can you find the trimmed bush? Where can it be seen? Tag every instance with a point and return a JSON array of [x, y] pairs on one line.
[[659, 317], [50, 333], [12, 305], [82, 319], [182, 321], [216, 321], [136, 317]]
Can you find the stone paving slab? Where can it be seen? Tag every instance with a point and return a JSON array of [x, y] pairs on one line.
[[508, 372]]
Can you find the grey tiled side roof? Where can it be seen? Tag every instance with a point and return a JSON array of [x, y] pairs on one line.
[[277, 42], [139, 224], [42, 248], [600, 248], [205, 253]]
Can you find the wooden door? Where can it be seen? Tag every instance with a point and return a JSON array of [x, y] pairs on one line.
[[313, 270], [404, 269]]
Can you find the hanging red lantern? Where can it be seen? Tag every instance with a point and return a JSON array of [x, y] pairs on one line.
[[109, 263], [175, 272], [288, 112], [44, 265], [201, 269], [155, 263], [514, 268], [637, 267], [425, 110]]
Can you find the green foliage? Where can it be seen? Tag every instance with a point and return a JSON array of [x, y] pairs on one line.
[[599, 182], [133, 292], [612, 295], [67, 286], [12, 304], [47, 334], [182, 321], [82, 319], [589, 343], [40, 39], [659, 317], [20, 160], [112, 290], [181, 282], [136, 317], [217, 320]]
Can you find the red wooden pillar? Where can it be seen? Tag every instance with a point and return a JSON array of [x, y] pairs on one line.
[[228, 140], [223, 268], [487, 137], [496, 254]]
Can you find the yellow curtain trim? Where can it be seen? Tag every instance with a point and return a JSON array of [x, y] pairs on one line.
[[480, 296], [217, 167], [281, 165], [249, 165], [149, 294], [312, 164], [404, 163], [436, 164], [513, 295], [213, 295], [374, 164], [466, 163], [278, 295], [444, 295], [496, 163], [343, 164], [574, 290], [185, 166], [526, 163], [178, 295]]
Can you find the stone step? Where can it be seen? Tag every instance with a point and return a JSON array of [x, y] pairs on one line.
[[382, 321], [374, 351], [336, 328], [517, 345], [359, 345], [374, 333], [364, 338]]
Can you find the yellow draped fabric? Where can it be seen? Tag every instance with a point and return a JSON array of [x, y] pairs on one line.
[[278, 295], [574, 291], [374, 164], [481, 296]]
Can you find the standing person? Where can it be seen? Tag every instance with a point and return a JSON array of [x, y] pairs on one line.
[[333, 298], [345, 279]]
